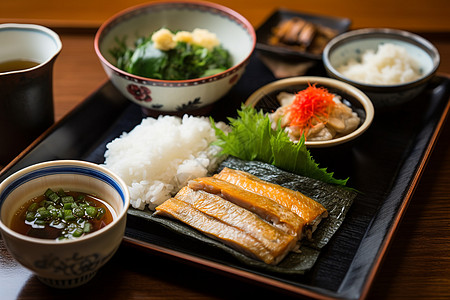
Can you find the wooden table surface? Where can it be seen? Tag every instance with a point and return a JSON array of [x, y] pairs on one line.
[[417, 265]]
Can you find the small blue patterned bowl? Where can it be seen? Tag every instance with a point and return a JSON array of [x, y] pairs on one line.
[[66, 263], [353, 44]]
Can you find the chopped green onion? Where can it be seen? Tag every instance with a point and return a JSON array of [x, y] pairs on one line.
[[43, 214], [48, 192], [61, 193], [100, 213], [39, 222], [33, 207], [79, 212], [30, 216], [87, 227], [78, 232], [54, 197], [67, 199], [51, 207], [91, 211], [68, 215]]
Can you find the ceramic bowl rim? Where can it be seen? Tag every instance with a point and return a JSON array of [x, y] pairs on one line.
[[228, 11], [13, 177], [369, 33], [362, 98], [38, 28]]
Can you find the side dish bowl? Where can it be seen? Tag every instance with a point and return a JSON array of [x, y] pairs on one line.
[[265, 99], [234, 32], [72, 262], [353, 44]]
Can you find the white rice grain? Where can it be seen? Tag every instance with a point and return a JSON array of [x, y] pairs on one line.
[[159, 156], [390, 64]]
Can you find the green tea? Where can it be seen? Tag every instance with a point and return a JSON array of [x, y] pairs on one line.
[[17, 64]]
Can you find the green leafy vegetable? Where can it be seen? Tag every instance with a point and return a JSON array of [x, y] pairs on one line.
[[252, 138], [185, 61]]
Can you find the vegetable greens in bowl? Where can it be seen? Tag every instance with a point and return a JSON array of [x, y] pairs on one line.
[[172, 58]]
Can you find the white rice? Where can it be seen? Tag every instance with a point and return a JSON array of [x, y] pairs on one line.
[[391, 64], [159, 156]]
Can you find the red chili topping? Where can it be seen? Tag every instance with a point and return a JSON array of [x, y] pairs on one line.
[[313, 103]]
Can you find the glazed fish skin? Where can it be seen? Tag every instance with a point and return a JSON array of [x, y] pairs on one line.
[[278, 242], [311, 211], [214, 228], [264, 207]]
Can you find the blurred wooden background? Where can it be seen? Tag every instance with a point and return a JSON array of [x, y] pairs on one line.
[[428, 15]]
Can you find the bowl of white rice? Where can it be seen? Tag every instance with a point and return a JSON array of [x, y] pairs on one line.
[[391, 66]]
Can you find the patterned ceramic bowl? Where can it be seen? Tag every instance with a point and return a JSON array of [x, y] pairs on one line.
[[72, 262], [353, 44], [235, 33]]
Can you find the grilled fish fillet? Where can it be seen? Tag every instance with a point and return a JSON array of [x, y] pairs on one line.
[[264, 207], [311, 211], [275, 240], [216, 229]]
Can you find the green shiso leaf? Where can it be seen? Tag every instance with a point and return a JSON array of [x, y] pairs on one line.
[[252, 138]]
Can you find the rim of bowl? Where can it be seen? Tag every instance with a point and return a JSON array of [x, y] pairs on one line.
[[248, 26], [369, 33], [38, 28], [327, 82], [54, 163]]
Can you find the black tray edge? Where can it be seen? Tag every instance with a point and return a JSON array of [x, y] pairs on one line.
[[409, 193]]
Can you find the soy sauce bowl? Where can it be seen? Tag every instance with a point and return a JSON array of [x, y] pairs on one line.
[[72, 262]]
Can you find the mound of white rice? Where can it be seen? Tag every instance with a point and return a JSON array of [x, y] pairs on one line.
[[390, 64], [160, 155]]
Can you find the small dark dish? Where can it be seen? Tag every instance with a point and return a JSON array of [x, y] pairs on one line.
[[265, 32]]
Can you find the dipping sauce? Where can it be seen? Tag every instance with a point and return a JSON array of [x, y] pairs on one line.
[[61, 215], [16, 65]]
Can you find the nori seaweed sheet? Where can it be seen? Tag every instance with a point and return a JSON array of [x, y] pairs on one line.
[[337, 200]]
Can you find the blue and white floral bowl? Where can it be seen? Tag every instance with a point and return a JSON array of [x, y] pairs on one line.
[[67, 263], [235, 33], [352, 45]]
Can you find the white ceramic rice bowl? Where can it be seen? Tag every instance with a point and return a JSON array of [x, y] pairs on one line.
[[352, 44], [235, 33]]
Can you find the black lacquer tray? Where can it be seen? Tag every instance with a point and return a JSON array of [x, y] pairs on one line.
[[384, 164]]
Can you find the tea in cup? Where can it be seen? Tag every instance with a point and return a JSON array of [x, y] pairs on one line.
[[27, 56]]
